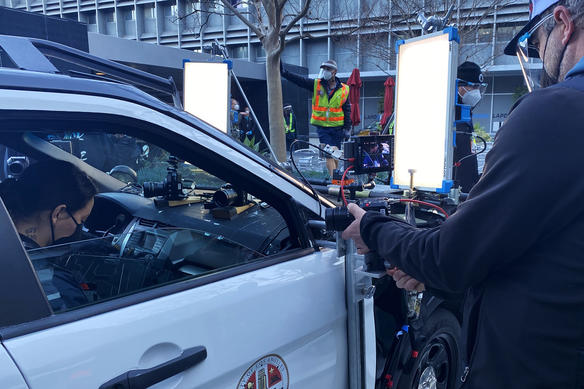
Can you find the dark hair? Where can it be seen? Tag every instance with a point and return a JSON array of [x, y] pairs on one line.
[[45, 185]]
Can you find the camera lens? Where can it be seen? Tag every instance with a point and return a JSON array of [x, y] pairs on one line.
[[153, 189], [225, 197], [16, 168], [338, 219]]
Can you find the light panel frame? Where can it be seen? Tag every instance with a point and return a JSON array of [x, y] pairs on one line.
[[206, 92], [424, 111]]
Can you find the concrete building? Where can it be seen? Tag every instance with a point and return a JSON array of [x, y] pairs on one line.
[[164, 23]]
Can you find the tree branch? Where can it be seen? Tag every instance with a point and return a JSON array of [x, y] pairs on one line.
[[300, 15], [251, 26]]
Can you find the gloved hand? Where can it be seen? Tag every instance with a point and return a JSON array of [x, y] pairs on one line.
[[347, 133]]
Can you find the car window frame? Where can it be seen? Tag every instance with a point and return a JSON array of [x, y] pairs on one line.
[[287, 207], [21, 295]]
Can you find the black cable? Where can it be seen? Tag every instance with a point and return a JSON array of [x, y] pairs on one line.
[[316, 147], [471, 154], [457, 163], [316, 196]]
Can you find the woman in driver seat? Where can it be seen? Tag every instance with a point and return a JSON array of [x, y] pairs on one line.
[[49, 202]]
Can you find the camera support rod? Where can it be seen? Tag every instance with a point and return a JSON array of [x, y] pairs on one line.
[[358, 287], [255, 119]]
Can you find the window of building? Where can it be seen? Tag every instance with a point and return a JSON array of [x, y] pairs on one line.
[[238, 51], [148, 11], [109, 16], [170, 12], [506, 33], [149, 23], [70, 16], [485, 34], [260, 53], [127, 13], [291, 53], [91, 20], [345, 53], [316, 53]]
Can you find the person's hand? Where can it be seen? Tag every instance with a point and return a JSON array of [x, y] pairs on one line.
[[404, 281], [354, 229]]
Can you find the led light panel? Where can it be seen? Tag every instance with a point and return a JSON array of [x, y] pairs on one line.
[[424, 120], [206, 92]]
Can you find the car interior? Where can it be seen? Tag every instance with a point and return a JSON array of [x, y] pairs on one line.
[[141, 232]]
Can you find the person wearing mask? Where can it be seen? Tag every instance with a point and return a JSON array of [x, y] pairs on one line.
[[235, 118], [471, 87], [331, 109], [289, 125], [48, 203], [515, 245]]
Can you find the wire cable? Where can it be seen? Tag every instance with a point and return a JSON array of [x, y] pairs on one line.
[[426, 204], [316, 196], [457, 163], [316, 147], [343, 184]]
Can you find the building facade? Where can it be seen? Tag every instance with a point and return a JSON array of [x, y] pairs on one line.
[[353, 32]]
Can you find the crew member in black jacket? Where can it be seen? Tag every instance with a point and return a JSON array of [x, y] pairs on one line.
[[471, 87], [516, 246]]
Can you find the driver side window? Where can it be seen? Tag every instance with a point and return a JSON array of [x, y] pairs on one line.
[[166, 220]]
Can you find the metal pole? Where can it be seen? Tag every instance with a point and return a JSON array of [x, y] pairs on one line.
[[353, 317], [254, 117], [232, 73]]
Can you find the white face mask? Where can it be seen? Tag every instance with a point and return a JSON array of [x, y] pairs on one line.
[[326, 74], [236, 107], [472, 97]]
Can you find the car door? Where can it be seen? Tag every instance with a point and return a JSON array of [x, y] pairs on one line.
[[275, 323]]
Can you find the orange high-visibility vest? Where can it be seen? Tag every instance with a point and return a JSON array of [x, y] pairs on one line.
[[328, 112]]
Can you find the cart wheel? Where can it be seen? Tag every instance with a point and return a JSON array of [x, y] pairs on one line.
[[438, 363]]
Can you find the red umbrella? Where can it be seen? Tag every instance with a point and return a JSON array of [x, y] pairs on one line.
[[387, 101], [355, 84]]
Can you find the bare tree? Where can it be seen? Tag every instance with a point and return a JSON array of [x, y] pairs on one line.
[[270, 21], [397, 19]]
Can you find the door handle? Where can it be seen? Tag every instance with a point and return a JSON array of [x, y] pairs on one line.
[[143, 378]]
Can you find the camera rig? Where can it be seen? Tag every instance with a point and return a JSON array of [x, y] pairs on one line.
[[171, 188]]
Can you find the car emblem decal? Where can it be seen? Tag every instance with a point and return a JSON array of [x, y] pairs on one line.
[[268, 372]]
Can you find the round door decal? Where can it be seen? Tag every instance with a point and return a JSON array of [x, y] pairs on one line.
[[269, 372]]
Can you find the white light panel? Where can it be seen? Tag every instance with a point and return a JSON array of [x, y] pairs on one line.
[[206, 92], [424, 111]]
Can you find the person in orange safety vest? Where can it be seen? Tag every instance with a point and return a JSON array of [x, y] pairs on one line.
[[331, 109]]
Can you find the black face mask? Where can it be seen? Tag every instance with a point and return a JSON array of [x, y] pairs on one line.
[[78, 226], [73, 237]]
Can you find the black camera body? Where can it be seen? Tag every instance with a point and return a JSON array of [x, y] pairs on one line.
[[172, 186]]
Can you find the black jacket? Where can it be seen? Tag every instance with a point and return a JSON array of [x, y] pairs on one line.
[[516, 246], [308, 83], [465, 171]]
